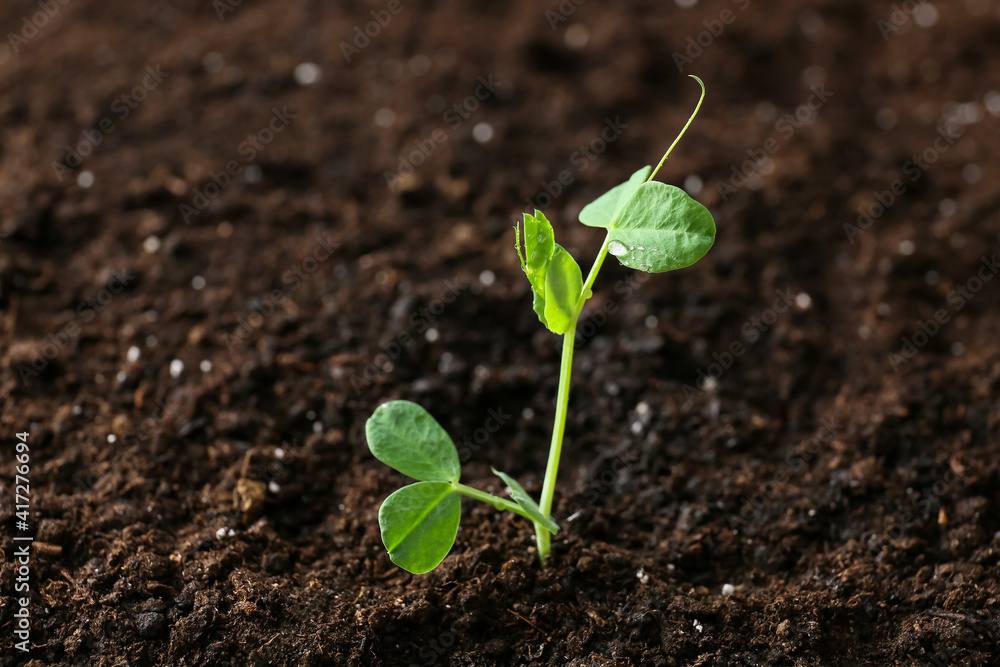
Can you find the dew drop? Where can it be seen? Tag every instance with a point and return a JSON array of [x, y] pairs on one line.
[[617, 249]]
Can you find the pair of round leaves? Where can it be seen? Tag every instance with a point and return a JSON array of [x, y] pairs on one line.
[[652, 226], [419, 522]]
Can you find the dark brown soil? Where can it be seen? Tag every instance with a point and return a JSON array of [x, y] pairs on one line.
[[812, 506]]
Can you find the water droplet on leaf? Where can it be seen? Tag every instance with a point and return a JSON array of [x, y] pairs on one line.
[[616, 249]]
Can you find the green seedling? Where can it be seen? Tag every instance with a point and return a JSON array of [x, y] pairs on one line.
[[652, 227]]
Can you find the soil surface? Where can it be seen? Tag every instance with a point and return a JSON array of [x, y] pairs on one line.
[[787, 454]]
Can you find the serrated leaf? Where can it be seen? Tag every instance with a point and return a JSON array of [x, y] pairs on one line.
[[526, 502], [405, 437], [419, 523], [661, 229], [563, 285], [602, 211]]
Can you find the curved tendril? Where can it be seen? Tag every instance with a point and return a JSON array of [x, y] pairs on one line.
[[683, 130]]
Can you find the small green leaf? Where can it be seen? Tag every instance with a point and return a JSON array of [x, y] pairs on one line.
[[563, 285], [419, 523], [539, 243], [526, 502], [404, 436], [602, 211], [661, 229]]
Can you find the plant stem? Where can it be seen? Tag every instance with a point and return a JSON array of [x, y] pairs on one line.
[[665, 155], [542, 536], [558, 431], [499, 503], [592, 276]]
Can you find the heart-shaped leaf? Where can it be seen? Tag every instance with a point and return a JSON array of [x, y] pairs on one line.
[[660, 229], [563, 286], [602, 211], [526, 502], [419, 523], [404, 436]]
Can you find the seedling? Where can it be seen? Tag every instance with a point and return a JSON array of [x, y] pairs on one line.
[[652, 227]]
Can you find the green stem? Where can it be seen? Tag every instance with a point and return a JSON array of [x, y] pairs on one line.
[[543, 537], [665, 155], [499, 503], [558, 431], [592, 276]]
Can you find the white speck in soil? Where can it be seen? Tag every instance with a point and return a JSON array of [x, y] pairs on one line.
[[306, 74], [482, 132]]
